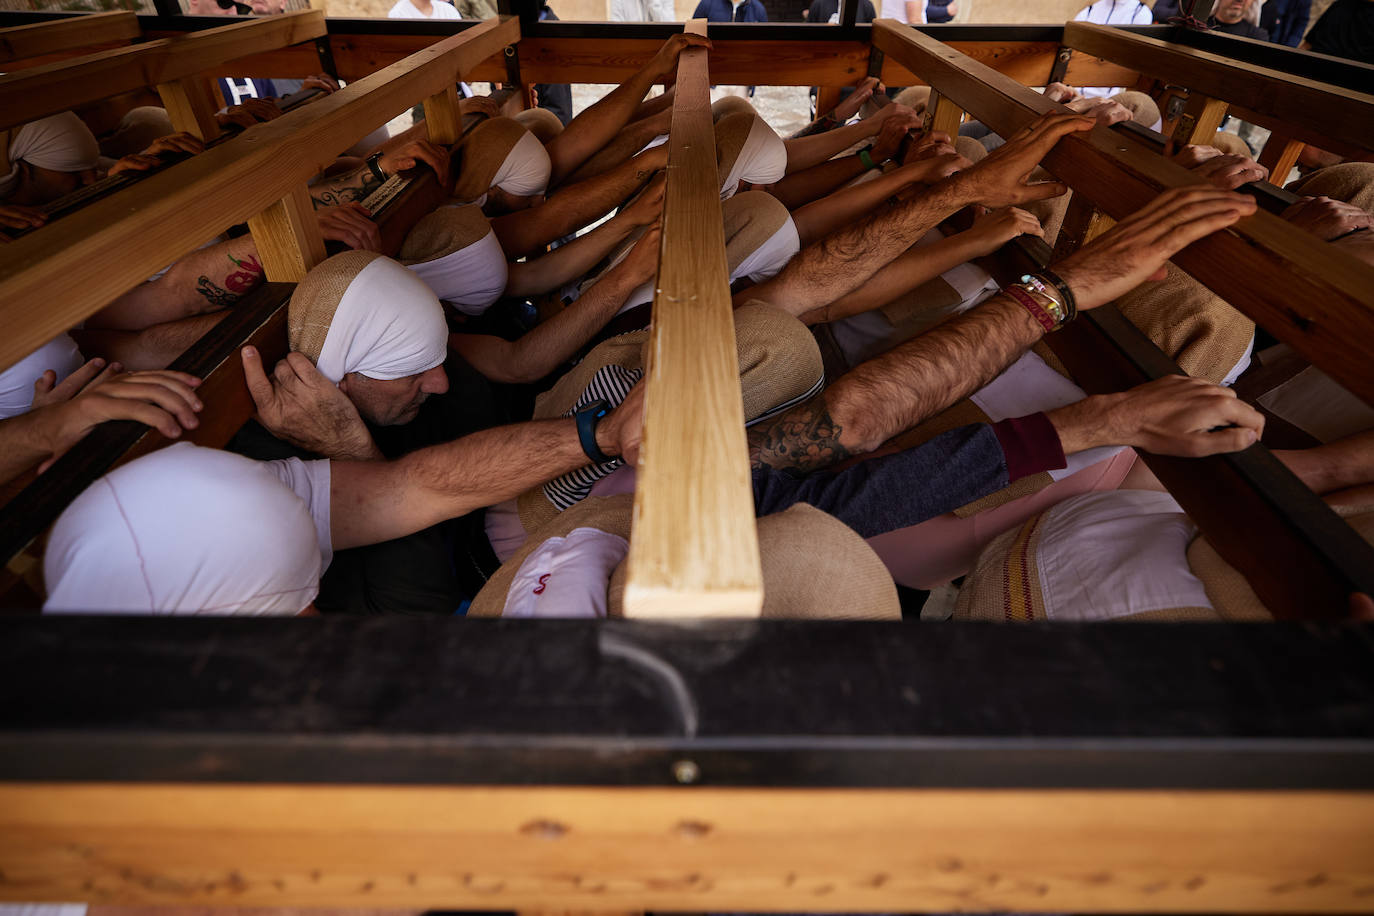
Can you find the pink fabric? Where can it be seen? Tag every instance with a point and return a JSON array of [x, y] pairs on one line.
[[934, 552]]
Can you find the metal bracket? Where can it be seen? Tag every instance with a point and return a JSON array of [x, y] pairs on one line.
[[875, 62], [513, 67], [1061, 64], [325, 51]]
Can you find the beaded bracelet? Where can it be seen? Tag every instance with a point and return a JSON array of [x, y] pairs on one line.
[[1070, 303], [1023, 296], [1036, 286]]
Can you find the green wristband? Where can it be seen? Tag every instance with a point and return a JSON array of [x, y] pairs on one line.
[[866, 159]]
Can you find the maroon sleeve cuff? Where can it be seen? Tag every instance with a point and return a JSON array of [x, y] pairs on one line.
[[1030, 445]]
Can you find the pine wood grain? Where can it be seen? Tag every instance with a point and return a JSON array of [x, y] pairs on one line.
[[1280, 155], [190, 104], [442, 116], [698, 849], [1341, 113], [694, 548], [54, 278], [1198, 126], [1305, 292], [41, 91], [288, 237], [24, 41], [943, 115]]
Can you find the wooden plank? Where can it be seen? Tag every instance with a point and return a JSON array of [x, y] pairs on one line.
[[25, 41], [288, 237], [943, 115], [58, 280], [444, 121], [1340, 113], [1307, 293], [1201, 119], [700, 849], [1280, 155], [1318, 138], [190, 104], [694, 549], [1083, 222], [41, 91]]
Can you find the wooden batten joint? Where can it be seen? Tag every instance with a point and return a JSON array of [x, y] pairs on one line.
[[288, 237], [943, 115], [191, 105], [443, 117]]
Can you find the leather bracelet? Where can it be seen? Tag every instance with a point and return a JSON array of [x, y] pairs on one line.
[[374, 168], [1038, 286], [1028, 302], [867, 159], [1070, 303]]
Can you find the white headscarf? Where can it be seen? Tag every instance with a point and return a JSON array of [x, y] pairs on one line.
[[388, 324], [455, 251], [61, 142], [185, 530], [16, 383], [762, 159], [526, 168]]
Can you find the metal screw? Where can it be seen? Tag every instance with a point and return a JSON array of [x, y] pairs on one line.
[[686, 772]]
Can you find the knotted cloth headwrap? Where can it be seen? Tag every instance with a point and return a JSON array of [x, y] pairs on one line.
[[500, 152], [814, 567], [184, 530], [747, 149], [61, 142], [455, 251], [362, 312]]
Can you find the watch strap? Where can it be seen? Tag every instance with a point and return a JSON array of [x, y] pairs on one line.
[[587, 419]]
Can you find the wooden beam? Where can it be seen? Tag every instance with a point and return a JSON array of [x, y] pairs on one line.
[[943, 115], [288, 237], [712, 849], [1307, 293], [24, 41], [66, 272], [1280, 155], [1199, 123], [445, 123], [1340, 113], [694, 548], [41, 91], [191, 105]]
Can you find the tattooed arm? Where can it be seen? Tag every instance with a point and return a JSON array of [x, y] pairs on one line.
[[893, 392], [207, 279], [350, 187]]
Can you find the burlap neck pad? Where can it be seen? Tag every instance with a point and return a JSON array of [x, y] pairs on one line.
[[313, 304], [814, 566], [732, 130], [731, 104], [442, 232], [484, 150], [1192, 325], [751, 219], [1352, 182]]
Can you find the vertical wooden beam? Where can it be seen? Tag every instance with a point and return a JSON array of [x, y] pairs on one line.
[[827, 97], [190, 103], [1201, 119], [288, 237], [1279, 155], [942, 114], [694, 548], [1083, 222], [442, 116]]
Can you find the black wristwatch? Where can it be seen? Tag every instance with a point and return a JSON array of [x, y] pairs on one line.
[[372, 164], [587, 418]]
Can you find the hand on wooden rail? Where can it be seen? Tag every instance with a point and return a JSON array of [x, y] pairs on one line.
[[13, 216], [1174, 415], [1227, 171], [351, 224], [248, 113], [1136, 249], [1328, 219], [664, 63], [413, 153], [162, 150], [1003, 178]]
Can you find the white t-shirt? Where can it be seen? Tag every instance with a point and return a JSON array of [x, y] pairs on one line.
[[407, 10], [310, 481], [1112, 12]]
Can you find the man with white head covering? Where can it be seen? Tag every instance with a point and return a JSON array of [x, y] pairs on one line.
[[747, 151], [45, 159], [504, 167]]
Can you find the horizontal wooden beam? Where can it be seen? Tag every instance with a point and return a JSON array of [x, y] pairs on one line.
[[51, 88], [26, 41], [54, 278], [813, 62], [694, 550], [691, 848], [1302, 290], [1344, 114]]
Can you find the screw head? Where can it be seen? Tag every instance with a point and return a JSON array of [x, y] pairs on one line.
[[686, 772]]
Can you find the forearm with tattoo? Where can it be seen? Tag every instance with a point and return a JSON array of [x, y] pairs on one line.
[[895, 391], [353, 187], [243, 274]]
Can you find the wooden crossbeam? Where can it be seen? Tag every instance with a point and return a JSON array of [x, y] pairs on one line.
[[62, 275], [24, 41], [1302, 290], [51, 88], [1343, 114], [714, 849], [694, 549]]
